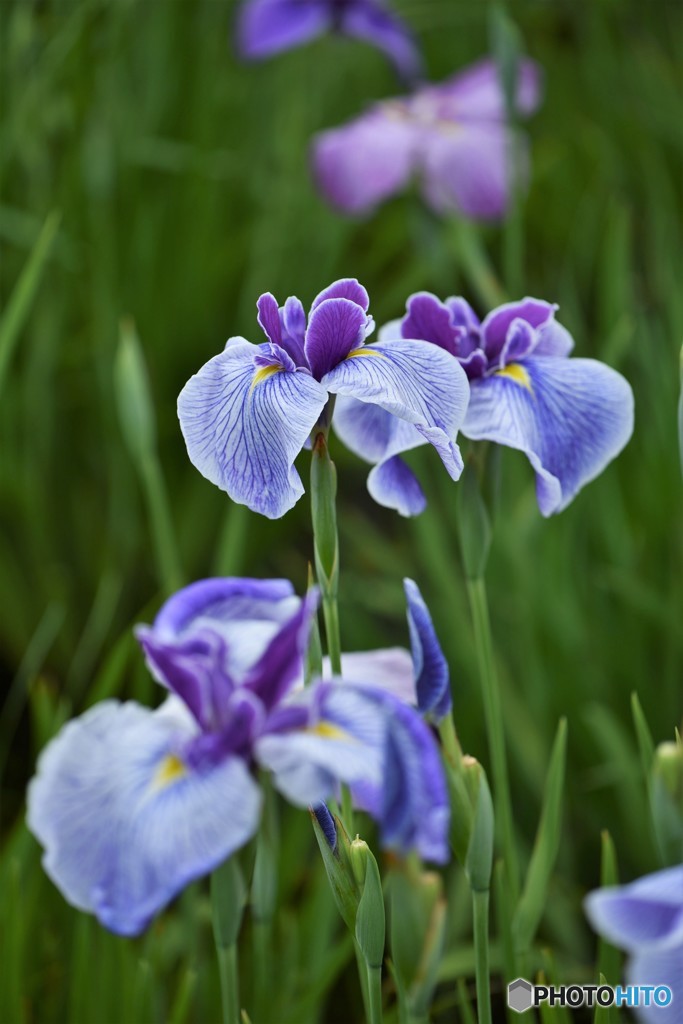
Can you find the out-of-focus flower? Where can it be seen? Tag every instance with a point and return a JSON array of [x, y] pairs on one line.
[[454, 137], [419, 677], [132, 804], [249, 411], [266, 27], [571, 417], [645, 918]]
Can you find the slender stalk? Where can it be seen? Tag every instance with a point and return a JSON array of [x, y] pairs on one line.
[[480, 905], [331, 617], [363, 979], [493, 713], [227, 969], [374, 994]]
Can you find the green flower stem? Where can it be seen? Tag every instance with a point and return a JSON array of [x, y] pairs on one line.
[[227, 967], [493, 713], [326, 549], [374, 994], [228, 898], [480, 906]]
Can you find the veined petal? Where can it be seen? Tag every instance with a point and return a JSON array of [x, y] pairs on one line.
[[429, 319], [429, 664], [124, 821], [571, 417], [265, 27], [269, 317], [243, 428], [381, 748], [366, 161], [224, 599], [393, 485], [372, 23], [346, 288], [471, 168], [419, 383], [371, 432], [496, 326], [335, 327], [647, 913]]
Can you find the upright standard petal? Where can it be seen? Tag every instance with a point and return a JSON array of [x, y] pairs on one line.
[[366, 161], [371, 22], [124, 820], [335, 327], [244, 426], [265, 27], [421, 384], [432, 678], [571, 417]]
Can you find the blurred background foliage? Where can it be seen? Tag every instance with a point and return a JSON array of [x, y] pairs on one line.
[[170, 183]]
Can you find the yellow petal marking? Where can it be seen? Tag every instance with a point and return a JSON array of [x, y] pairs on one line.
[[358, 352], [329, 731], [516, 372], [169, 771], [263, 373]]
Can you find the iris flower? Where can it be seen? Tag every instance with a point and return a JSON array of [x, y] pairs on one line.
[[454, 137], [249, 411], [646, 919], [131, 804], [266, 27], [570, 417]]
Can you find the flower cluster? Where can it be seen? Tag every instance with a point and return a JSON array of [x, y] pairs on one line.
[[508, 379], [131, 804]]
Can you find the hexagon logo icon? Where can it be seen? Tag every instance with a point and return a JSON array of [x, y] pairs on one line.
[[520, 995]]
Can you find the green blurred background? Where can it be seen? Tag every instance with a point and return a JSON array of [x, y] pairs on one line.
[[181, 176]]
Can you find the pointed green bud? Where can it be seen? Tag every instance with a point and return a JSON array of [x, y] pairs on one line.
[[370, 922], [324, 515], [479, 859], [133, 396], [418, 920], [667, 799], [474, 524], [335, 848], [228, 897]]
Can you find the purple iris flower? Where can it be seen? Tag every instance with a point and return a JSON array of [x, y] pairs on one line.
[[646, 919], [571, 417], [420, 676], [131, 804], [250, 410], [266, 27], [455, 137]]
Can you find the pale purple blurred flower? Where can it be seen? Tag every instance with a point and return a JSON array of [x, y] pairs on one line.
[[454, 138], [132, 804], [646, 919], [266, 27]]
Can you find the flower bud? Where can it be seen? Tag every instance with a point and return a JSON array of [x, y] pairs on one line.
[[335, 848], [667, 799], [479, 859], [370, 922]]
